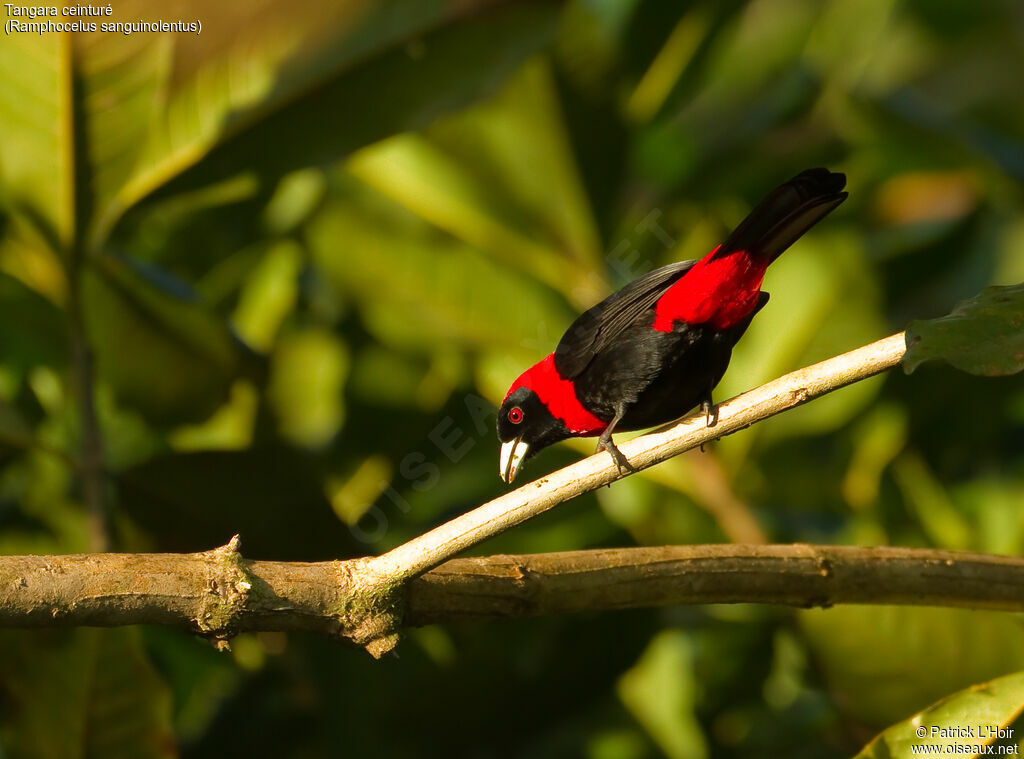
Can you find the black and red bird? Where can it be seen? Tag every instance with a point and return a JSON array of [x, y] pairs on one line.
[[654, 350]]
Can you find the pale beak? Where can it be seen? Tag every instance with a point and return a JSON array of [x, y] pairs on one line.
[[512, 454]]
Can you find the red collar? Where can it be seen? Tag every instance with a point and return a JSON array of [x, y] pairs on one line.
[[559, 396]]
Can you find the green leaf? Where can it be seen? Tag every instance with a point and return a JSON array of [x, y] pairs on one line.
[[983, 335], [268, 295], [35, 155], [418, 288], [76, 110], [502, 177], [36, 335], [661, 691], [82, 693], [938, 515], [445, 68], [93, 123], [984, 709], [161, 351], [306, 387]]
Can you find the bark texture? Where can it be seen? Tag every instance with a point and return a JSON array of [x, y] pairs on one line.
[[219, 593]]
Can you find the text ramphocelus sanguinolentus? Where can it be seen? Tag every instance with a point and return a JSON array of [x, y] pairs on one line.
[[655, 349]]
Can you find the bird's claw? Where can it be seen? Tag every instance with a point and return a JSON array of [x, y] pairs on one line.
[[621, 462], [710, 411]]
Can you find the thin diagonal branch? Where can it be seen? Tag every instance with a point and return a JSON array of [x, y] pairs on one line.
[[786, 392]]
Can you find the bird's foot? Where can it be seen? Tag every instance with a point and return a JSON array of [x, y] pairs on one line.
[[710, 411], [606, 444]]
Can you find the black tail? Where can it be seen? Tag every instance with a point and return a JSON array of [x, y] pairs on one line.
[[789, 211]]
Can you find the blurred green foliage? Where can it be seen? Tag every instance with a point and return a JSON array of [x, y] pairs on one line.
[[313, 246]]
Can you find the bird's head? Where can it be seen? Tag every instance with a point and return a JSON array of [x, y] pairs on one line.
[[525, 426]]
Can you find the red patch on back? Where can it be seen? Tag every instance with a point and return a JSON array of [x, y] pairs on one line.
[[559, 395], [717, 291]]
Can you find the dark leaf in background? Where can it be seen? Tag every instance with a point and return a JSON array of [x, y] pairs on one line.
[[270, 496], [578, 658], [82, 693], [15, 434], [984, 335], [37, 335], [160, 349]]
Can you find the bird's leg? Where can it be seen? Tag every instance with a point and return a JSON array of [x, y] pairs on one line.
[[710, 410], [605, 443]]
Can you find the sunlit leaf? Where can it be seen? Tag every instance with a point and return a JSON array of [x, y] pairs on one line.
[[985, 710], [667, 67], [95, 122], [229, 428], [416, 286], [76, 110], [983, 335], [268, 295], [418, 175], [877, 440], [993, 503], [940, 520], [295, 198], [279, 84], [660, 692], [425, 71], [26, 255], [501, 176], [306, 384], [35, 154], [841, 44]]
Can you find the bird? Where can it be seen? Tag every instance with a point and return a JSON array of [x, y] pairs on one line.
[[655, 350]]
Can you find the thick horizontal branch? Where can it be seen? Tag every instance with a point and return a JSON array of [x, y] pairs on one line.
[[791, 575], [216, 593], [219, 593]]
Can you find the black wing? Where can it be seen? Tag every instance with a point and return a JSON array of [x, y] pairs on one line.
[[597, 327]]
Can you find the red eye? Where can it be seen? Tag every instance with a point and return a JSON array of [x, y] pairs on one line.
[[515, 415]]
